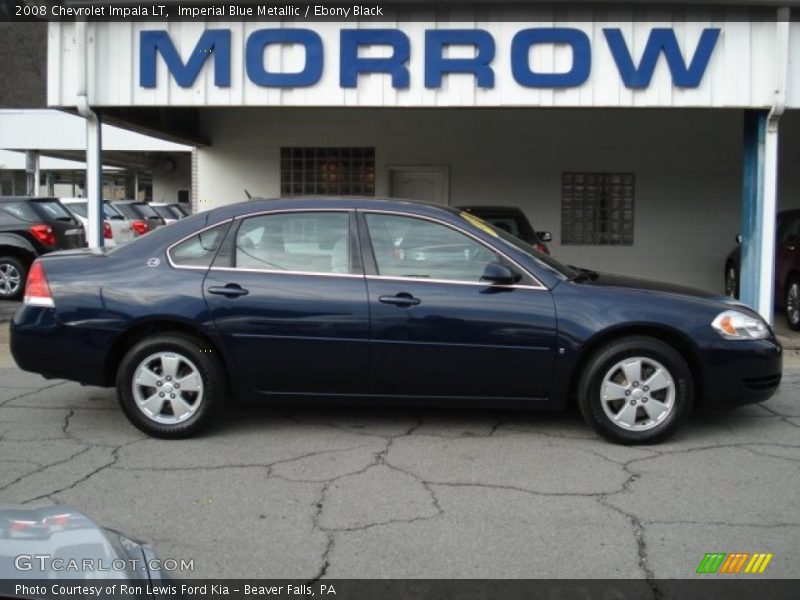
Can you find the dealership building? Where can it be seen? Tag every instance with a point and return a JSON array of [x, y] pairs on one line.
[[643, 138]]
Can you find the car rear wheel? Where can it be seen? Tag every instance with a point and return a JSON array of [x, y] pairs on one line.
[[636, 390], [169, 386], [12, 277], [793, 303], [731, 282]]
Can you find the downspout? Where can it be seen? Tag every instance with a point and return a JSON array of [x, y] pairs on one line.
[[94, 168], [765, 298]]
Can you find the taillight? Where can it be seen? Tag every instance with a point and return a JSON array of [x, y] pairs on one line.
[[541, 248], [37, 290], [107, 231], [43, 233], [140, 227]]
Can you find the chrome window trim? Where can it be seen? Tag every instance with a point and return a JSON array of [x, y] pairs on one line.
[[277, 272], [539, 285], [183, 239], [516, 286]]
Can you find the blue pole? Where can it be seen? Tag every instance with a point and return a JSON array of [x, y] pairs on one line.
[[755, 130]]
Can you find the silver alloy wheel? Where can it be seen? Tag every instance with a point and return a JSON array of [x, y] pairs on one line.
[[10, 279], [637, 393], [793, 303], [167, 388]]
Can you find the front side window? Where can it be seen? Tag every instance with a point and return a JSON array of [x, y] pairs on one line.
[[306, 242], [198, 250], [421, 249]]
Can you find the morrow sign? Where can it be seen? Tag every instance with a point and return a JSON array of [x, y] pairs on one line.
[[635, 72]]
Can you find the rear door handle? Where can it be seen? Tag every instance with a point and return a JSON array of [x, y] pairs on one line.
[[230, 290], [401, 299]]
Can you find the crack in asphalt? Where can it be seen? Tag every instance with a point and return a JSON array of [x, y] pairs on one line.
[[30, 392]]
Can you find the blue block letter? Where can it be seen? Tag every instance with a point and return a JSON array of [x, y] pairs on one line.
[[437, 65], [262, 38], [581, 57], [216, 41], [351, 64], [661, 40]]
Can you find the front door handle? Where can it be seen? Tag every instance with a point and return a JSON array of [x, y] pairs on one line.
[[231, 290], [401, 299]]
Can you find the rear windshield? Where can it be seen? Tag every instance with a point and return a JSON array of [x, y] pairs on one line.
[[53, 209], [82, 210], [165, 212], [129, 211], [147, 210], [112, 212]]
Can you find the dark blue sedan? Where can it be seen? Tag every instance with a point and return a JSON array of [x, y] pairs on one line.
[[368, 301]]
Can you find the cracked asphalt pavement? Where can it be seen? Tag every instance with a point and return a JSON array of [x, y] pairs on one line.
[[309, 492]]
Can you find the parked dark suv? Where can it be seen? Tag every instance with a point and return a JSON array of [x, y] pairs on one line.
[[512, 220], [30, 227], [787, 267]]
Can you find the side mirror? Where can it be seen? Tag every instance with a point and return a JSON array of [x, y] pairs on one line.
[[545, 236], [498, 274], [738, 238]]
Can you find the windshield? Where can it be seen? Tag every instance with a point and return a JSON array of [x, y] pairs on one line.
[[546, 260], [54, 210]]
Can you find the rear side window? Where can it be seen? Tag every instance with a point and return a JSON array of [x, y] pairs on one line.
[[20, 210], [301, 242], [198, 250]]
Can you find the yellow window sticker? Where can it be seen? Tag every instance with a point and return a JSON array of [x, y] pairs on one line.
[[479, 223]]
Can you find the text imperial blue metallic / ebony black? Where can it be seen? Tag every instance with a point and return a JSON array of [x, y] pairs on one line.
[[376, 301]]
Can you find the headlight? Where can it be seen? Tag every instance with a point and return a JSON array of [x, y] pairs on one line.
[[735, 325]]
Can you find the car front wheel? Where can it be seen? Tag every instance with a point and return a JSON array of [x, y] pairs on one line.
[[169, 386], [636, 390], [793, 303]]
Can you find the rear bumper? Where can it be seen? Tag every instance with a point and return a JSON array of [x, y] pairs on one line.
[[41, 344], [741, 372]]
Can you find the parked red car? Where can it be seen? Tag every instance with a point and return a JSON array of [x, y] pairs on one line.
[[787, 268]]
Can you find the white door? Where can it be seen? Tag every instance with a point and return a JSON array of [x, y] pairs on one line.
[[429, 184]]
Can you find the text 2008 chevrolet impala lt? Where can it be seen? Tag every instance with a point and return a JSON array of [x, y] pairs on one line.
[[367, 301]]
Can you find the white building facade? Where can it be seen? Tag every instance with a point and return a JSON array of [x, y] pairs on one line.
[[621, 131]]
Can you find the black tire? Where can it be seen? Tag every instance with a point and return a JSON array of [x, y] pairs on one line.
[[10, 265], [195, 356], [792, 303], [731, 281], [649, 349]]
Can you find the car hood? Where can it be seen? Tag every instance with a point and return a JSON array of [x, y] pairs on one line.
[[612, 280], [61, 532]]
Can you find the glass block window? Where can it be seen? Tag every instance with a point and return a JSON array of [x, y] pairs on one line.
[[328, 171], [597, 209]]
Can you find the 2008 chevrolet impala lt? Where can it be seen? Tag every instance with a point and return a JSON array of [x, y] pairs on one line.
[[367, 301]]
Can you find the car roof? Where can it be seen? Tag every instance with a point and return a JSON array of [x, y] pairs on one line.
[[488, 208], [24, 198], [339, 202]]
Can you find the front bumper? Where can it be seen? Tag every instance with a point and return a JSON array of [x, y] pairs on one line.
[[741, 372]]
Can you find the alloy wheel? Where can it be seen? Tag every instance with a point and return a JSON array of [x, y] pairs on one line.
[[637, 393], [167, 388], [10, 279]]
